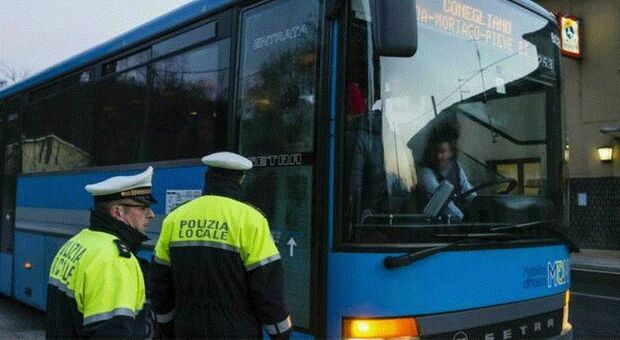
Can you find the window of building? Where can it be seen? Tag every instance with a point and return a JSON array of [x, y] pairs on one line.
[[527, 172]]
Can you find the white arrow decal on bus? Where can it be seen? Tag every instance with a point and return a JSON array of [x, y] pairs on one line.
[[291, 243]]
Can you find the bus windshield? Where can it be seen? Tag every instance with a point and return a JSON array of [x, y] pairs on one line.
[[471, 108]]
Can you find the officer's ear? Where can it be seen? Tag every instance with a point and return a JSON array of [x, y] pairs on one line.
[[116, 210]]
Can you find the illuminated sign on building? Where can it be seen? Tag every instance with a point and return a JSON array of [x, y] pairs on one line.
[[570, 30]]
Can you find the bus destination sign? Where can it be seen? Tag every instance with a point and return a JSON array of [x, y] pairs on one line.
[[470, 21]]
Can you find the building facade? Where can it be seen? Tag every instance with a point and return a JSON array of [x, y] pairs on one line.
[[591, 102]]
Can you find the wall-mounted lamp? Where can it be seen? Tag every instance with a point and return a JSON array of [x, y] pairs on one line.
[[606, 153]]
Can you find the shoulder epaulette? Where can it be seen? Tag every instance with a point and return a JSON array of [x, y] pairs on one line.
[[123, 249]]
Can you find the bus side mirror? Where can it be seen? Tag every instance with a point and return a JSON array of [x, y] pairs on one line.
[[395, 27]]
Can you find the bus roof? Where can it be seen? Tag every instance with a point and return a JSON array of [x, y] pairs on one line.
[[144, 32]]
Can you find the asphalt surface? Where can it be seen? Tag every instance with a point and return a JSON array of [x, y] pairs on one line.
[[19, 321], [595, 304]]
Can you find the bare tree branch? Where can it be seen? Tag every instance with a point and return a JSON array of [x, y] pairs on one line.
[[10, 75]]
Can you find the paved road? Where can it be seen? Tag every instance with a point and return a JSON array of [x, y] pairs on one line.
[[595, 304], [18, 321]]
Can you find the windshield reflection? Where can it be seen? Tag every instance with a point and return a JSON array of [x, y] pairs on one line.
[[468, 109]]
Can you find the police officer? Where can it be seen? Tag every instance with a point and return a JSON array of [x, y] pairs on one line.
[[96, 288], [217, 271]]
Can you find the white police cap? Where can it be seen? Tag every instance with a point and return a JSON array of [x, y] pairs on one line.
[[227, 160], [136, 187]]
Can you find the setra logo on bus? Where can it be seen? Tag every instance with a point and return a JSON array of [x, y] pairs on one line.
[[558, 273]]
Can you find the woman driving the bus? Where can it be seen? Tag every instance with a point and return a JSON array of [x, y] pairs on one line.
[[440, 164]]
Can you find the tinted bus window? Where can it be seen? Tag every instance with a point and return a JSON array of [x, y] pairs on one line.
[[9, 136], [277, 112], [126, 63], [63, 84], [58, 131], [120, 123], [183, 40], [189, 104]]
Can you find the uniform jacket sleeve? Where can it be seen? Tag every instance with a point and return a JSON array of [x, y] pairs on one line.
[[113, 301], [119, 327], [266, 282], [162, 287]]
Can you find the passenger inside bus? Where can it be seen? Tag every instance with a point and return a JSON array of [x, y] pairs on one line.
[[373, 187], [367, 185], [440, 164]]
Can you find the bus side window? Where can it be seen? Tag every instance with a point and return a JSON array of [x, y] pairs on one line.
[[10, 119], [188, 104], [119, 124], [58, 125]]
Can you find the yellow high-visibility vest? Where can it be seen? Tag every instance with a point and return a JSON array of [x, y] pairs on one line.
[[218, 222], [102, 276]]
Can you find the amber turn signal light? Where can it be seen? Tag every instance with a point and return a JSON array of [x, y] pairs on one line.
[[380, 328]]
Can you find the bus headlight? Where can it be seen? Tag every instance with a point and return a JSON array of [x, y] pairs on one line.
[[402, 328]]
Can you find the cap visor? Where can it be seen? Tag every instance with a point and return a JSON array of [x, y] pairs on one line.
[[145, 199]]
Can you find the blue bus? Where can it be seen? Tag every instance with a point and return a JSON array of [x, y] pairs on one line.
[[338, 104]]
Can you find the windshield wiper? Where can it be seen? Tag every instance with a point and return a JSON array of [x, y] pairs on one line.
[[504, 232], [523, 225], [392, 262], [478, 235], [547, 225]]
